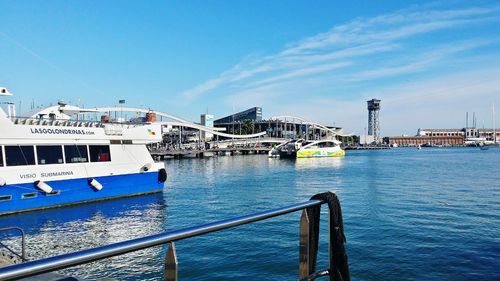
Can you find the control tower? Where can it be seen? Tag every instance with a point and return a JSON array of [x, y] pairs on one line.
[[373, 121]]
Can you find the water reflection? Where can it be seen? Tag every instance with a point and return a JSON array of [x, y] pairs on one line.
[[325, 162], [63, 230]]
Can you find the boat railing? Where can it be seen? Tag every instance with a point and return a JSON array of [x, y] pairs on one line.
[[56, 122], [307, 251], [69, 123], [21, 256], [113, 130]]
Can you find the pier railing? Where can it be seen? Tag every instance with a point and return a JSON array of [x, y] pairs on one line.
[[307, 252]]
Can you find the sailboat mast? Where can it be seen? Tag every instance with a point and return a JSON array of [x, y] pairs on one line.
[[494, 127]]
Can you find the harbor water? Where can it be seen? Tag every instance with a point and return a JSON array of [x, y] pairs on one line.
[[430, 214]]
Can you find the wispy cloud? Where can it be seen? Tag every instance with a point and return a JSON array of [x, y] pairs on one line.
[[298, 73], [406, 106], [345, 61], [401, 24], [423, 61]]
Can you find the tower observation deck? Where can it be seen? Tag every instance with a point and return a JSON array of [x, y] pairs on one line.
[[373, 120]]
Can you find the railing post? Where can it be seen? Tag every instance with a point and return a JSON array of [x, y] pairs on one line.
[[330, 250], [304, 246], [23, 245], [171, 265]]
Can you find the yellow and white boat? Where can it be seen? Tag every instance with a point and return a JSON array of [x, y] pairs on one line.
[[308, 149], [322, 148]]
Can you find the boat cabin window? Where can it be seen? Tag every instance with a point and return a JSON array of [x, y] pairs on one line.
[[19, 155], [49, 154], [99, 153], [1, 157], [326, 144], [29, 195], [76, 153]]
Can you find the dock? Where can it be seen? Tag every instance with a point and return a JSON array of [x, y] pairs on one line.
[[161, 154]]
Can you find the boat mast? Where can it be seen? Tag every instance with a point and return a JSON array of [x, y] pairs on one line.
[[494, 126]]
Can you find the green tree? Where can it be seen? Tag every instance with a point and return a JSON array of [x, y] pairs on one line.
[[247, 127]]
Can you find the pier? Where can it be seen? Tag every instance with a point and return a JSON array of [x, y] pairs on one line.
[[219, 148], [161, 154]]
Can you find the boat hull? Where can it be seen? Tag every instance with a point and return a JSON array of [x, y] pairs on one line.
[[288, 154], [76, 191], [312, 153]]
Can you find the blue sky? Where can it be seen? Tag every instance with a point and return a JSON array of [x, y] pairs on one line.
[[429, 62]]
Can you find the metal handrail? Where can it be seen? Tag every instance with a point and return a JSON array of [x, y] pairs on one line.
[[50, 122], [23, 241], [85, 256]]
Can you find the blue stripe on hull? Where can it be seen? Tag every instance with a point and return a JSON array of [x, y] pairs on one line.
[[76, 191]]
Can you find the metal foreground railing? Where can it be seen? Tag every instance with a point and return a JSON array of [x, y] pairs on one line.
[[170, 273], [21, 256]]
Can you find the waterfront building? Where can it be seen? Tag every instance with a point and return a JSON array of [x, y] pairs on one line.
[[446, 137], [208, 121], [425, 140], [250, 121], [282, 127], [470, 133], [366, 139], [440, 132], [251, 114]]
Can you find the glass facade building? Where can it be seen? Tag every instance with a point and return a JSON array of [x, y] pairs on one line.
[[252, 114]]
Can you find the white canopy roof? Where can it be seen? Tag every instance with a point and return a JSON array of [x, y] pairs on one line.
[[60, 111]]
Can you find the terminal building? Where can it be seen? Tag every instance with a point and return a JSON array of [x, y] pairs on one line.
[[246, 123], [252, 114], [250, 121]]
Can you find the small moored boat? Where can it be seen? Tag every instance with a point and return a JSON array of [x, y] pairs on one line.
[[322, 148], [311, 149]]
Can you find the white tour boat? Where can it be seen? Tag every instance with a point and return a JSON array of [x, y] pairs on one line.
[[52, 159]]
